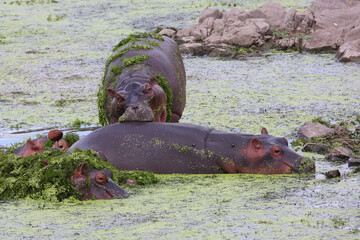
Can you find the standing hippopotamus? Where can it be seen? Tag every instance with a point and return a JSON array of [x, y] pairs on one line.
[[187, 148], [101, 186], [144, 81]]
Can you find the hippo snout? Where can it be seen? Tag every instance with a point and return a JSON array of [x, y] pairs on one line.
[[305, 165], [139, 113]]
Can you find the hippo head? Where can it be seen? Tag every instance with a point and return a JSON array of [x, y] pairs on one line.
[[61, 144], [101, 185], [31, 147], [136, 101], [267, 154]]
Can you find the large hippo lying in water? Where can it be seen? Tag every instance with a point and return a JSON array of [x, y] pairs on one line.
[[187, 148], [144, 81]]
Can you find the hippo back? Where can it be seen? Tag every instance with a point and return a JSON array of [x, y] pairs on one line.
[[152, 146]]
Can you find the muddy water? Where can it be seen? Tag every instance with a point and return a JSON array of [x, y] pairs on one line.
[[52, 56]]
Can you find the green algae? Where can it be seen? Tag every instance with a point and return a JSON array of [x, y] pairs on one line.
[[27, 177], [71, 138], [235, 96], [169, 96], [226, 207], [139, 37], [134, 60]]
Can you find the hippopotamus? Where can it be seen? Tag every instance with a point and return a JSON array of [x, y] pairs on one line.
[[144, 81], [37, 146], [101, 185], [31, 147], [186, 148]]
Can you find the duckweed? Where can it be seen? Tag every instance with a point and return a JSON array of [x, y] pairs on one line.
[[27, 177]]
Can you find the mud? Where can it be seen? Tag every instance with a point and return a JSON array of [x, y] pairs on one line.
[[52, 61]]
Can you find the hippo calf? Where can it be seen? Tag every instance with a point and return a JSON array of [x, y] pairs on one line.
[[144, 81], [186, 148]]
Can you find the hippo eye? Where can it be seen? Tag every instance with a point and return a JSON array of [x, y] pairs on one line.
[[101, 178], [276, 151], [147, 89], [120, 98]]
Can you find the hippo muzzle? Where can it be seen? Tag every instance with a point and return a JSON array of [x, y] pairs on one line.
[[103, 187]]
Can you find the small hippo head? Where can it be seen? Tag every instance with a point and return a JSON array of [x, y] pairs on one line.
[[101, 185], [61, 144], [138, 102], [31, 147], [267, 154]]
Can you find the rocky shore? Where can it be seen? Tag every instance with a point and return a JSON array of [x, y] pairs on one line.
[[326, 25]]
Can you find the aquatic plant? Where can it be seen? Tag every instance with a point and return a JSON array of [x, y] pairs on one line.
[[169, 96], [71, 138], [28, 177]]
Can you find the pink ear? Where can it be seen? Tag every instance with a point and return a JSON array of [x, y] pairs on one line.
[[264, 131], [153, 81], [30, 142], [111, 92], [83, 169], [256, 143]]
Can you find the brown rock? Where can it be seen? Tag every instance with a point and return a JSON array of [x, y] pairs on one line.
[[241, 36], [213, 39], [184, 32], [210, 12], [354, 162], [314, 129], [286, 43], [55, 135], [325, 39], [189, 39], [332, 174], [167, 32], [316, 147], [338, 130], [221, 52], [339, 154], [289, 20], [274, 13], [233, 15], [349, 52], [196, 48], [263, 27], [334, 13]]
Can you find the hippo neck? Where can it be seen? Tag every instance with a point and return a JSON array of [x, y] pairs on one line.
[[221, 148]]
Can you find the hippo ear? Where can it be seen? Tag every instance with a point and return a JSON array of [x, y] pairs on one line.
[[147, 88], [256, 143], [79, 173], [153, 80], [83, 169], [111, 92], [264, 131], [30, 142], [115, 94]]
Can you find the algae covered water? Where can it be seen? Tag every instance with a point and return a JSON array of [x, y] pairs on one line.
[[52, 59]]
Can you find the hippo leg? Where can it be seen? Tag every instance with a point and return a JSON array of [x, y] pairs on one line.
[[175, 117]]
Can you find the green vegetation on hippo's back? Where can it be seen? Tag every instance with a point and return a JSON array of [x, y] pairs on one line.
[[169, 95], [137, 37], [27, 177]]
